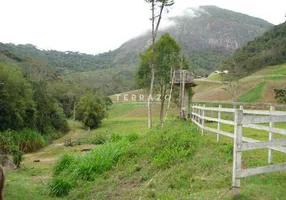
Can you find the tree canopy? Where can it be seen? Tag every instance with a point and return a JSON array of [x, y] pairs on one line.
[[166, 58], [17, 107], [91, 109]]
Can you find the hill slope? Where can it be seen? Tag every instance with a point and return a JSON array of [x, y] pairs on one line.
[[207, 35], [258, 87], [268, 49]]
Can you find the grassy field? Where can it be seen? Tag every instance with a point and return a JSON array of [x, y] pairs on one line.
[[175, 162], [254, 94], [258, 87]]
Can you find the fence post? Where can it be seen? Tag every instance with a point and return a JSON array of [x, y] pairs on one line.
[[271, 125], [203, 120], [237, 152], [218, 124], [195, 110], [199, 113], [192, 111]]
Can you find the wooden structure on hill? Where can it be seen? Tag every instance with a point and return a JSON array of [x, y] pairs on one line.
[[184, 79]]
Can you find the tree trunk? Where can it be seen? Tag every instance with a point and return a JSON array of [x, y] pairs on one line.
[[163, 96], [154, 34], [152, 69], [161, 111]]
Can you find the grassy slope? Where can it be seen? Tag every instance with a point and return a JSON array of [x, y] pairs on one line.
[[259, 84], [205, 175]]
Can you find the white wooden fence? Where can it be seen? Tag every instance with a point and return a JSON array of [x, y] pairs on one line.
[[245, 118]]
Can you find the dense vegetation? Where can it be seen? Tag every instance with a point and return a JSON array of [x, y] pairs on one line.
[[162, 149], [29, 115], [269, 49], [68, 60], [91, 109]]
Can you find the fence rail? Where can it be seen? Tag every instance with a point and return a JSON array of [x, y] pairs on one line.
[[249, 119]]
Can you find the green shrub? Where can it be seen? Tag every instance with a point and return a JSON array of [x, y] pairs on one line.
[[280, 95], [60, 187], [64, 162], [17, 155], [168, 146], [115, 137], [91, 109], [26, 140], [87, 167], [99, 160], [132, 137], [98, 138]]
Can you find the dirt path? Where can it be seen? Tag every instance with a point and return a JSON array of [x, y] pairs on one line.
[[46, 157]]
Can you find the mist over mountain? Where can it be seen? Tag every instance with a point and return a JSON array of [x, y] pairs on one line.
[[206, 34]]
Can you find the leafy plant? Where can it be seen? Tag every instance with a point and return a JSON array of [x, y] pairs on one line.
[[280, 95], [60, 187], [17, 155], [91, 109], [98, 138]]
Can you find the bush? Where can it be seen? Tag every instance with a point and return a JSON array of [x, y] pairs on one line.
[[87, 167], [64, 162], [17, 155], [98, 138], [91, 109], [168, 146], [26, 140], [60, 187], [92, 164], [115, 137], [280, 95], [132, 137]]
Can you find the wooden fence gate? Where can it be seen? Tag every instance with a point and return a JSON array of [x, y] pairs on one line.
[[245, 118]]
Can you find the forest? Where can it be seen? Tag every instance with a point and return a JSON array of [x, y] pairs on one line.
[[266, 50]]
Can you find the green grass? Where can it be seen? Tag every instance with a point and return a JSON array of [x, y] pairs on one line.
[[215, 77], [253, 94], [272, 70], [175, 162], [25, 184]]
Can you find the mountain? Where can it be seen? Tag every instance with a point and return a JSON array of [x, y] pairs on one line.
[[268, 49], [207, 35]]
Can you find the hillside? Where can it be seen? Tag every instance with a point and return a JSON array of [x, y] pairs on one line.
[[207, 35], [268, 49], [257, 87], [175, 162]]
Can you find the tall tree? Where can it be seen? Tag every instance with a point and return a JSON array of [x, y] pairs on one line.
[[91, 109], [157, 8], [17, 108], [166, 58]]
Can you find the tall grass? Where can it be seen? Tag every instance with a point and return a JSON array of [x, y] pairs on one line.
[[26, 140], [160, 148]]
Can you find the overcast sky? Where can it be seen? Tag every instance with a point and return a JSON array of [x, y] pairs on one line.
[[94, 26]]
